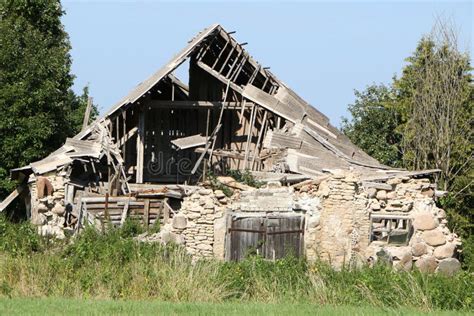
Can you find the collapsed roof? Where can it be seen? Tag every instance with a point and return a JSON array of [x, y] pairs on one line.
[[307, 142]]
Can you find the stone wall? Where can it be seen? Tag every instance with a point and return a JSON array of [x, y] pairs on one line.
[[432, 245], [195, 223], [47, 211], [343, 222], [338, 223]]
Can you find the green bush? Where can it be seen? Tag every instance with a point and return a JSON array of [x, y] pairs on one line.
[[19, 239], [245, 177]]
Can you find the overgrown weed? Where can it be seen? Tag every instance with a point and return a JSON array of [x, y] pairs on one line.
[[113, 265]]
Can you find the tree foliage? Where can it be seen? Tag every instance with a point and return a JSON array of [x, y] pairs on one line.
[[426, 118], [373, 124], [38, 109]]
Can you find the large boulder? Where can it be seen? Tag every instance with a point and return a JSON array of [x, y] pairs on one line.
[[424, 221], [426, 264], [444, 251], [449, 266], [434, 237]]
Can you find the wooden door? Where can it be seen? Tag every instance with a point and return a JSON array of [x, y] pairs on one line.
[[247, 237], [271, 237]]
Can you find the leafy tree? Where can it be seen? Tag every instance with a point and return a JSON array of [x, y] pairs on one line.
[[373, 123], [38, 109], [429, 113], [435, 99]]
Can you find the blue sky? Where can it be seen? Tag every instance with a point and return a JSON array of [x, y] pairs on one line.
[[322, 50]]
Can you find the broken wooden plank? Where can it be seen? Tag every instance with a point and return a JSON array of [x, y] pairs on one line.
[[213, 135], [399, 173], [259, 139], [140, 146], [277, 139], [160, 104], [253, 114], [87, 114], [127, 136], [272, 104], [190, 141], [166, 211], [124, 213], [146, 213], [111, 199], [227, 154], [11, 197]]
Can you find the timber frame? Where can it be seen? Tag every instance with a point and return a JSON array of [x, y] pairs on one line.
[[233, 114]]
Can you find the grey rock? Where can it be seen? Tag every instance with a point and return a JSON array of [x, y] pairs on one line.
[[449, 266], [219, 194], [41, 208]]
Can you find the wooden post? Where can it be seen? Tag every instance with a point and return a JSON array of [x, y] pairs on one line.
[[87, 113], [146, 212], [207, 139], [125, 138], [140, 146], [249, 135], [262, 128], [124, 213], [166, 211], [219, 122], [106, 208]]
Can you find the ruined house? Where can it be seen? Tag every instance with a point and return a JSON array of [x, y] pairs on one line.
[[149, 158]]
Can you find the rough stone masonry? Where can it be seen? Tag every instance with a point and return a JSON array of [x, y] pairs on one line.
[[338, 212], [338, 223]]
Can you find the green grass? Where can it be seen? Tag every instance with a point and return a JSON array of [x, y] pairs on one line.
[[114, 268], [54, 306]]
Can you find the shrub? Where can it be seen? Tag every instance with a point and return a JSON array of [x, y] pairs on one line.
[[245, 177], [19, 239]]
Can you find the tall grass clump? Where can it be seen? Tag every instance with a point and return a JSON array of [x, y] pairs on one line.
[[113, 265]]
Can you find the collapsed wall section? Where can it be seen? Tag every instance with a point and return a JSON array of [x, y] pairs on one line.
[[48, 211]]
